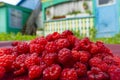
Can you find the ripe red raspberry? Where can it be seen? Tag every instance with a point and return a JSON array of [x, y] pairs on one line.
[[84, 56], [36, 48], [94, 61], [2, 72], [41, 41], [19, 61], [66, 33], [109, 60], [93, 49], [72, 39], [77, 45], [85, 44], [115, 74], [52, 73], [64, 56], [95, 70], [32, 60], [76, 55], [6, 61], [62, 43], [15, 43], [22, 47], [103, 66], [112, 68], [102, 48], [55, 35], [5, 51], [97, 74], [35, 72], [18, 65], [69, 74], [1, 52], [80, 68], [51, 47], [43, 65], [50, 58], [20, 71], [49, 37], [117, 60]]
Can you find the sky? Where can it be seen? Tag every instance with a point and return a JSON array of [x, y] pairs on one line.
[[14, 2]]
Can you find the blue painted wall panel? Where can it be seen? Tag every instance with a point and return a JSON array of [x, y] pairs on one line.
[[107, 19], [31, 4]]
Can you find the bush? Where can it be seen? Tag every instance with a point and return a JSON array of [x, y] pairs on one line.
[[13, 36]]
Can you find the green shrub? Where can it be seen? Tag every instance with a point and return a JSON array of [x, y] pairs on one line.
[[12, 37]]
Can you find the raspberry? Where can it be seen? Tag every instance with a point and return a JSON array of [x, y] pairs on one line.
[[49, 37], [117, 60], [5, 51], [50, 58], [52, 73], [36, 48], [22, 47], [103, 66], [71, 39], [19, 65], [76, 55], [68, 74], [80, 68], [6, 61], [55, 35], [51, 47], [32, 60], [35, 72], [115, 74], [93, 49], [77, 45], [15, 43], [19, 61], [21, 71], [1, 52], [66, 33], [43, 65], [97, 74], [94, 61], [112, 68], [102, 48], [109, 60], [85, 44], [64, 56], [84, 56], [41, 41], [2, 72], [102, 76], [62, 43]]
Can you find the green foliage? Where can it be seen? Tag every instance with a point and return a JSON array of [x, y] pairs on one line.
[[92, 32], [111, 40], [12, 37], [74, 12], [89, 12]]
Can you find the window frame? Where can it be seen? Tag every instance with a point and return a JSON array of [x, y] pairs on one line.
[[108, 4]]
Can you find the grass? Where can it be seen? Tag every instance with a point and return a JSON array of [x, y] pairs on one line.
[[20, 37], [13, 37]]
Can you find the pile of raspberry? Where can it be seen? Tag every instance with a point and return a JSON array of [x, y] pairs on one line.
[[59, 57]]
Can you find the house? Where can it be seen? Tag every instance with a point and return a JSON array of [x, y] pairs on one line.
[[81, 16]]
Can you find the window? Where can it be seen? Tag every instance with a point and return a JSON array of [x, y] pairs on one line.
[[105, 2], [15, 18]]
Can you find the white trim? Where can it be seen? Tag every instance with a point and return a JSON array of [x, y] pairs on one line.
[[102, 5]]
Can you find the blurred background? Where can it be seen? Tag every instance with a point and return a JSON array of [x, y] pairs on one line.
[[96, 19]]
